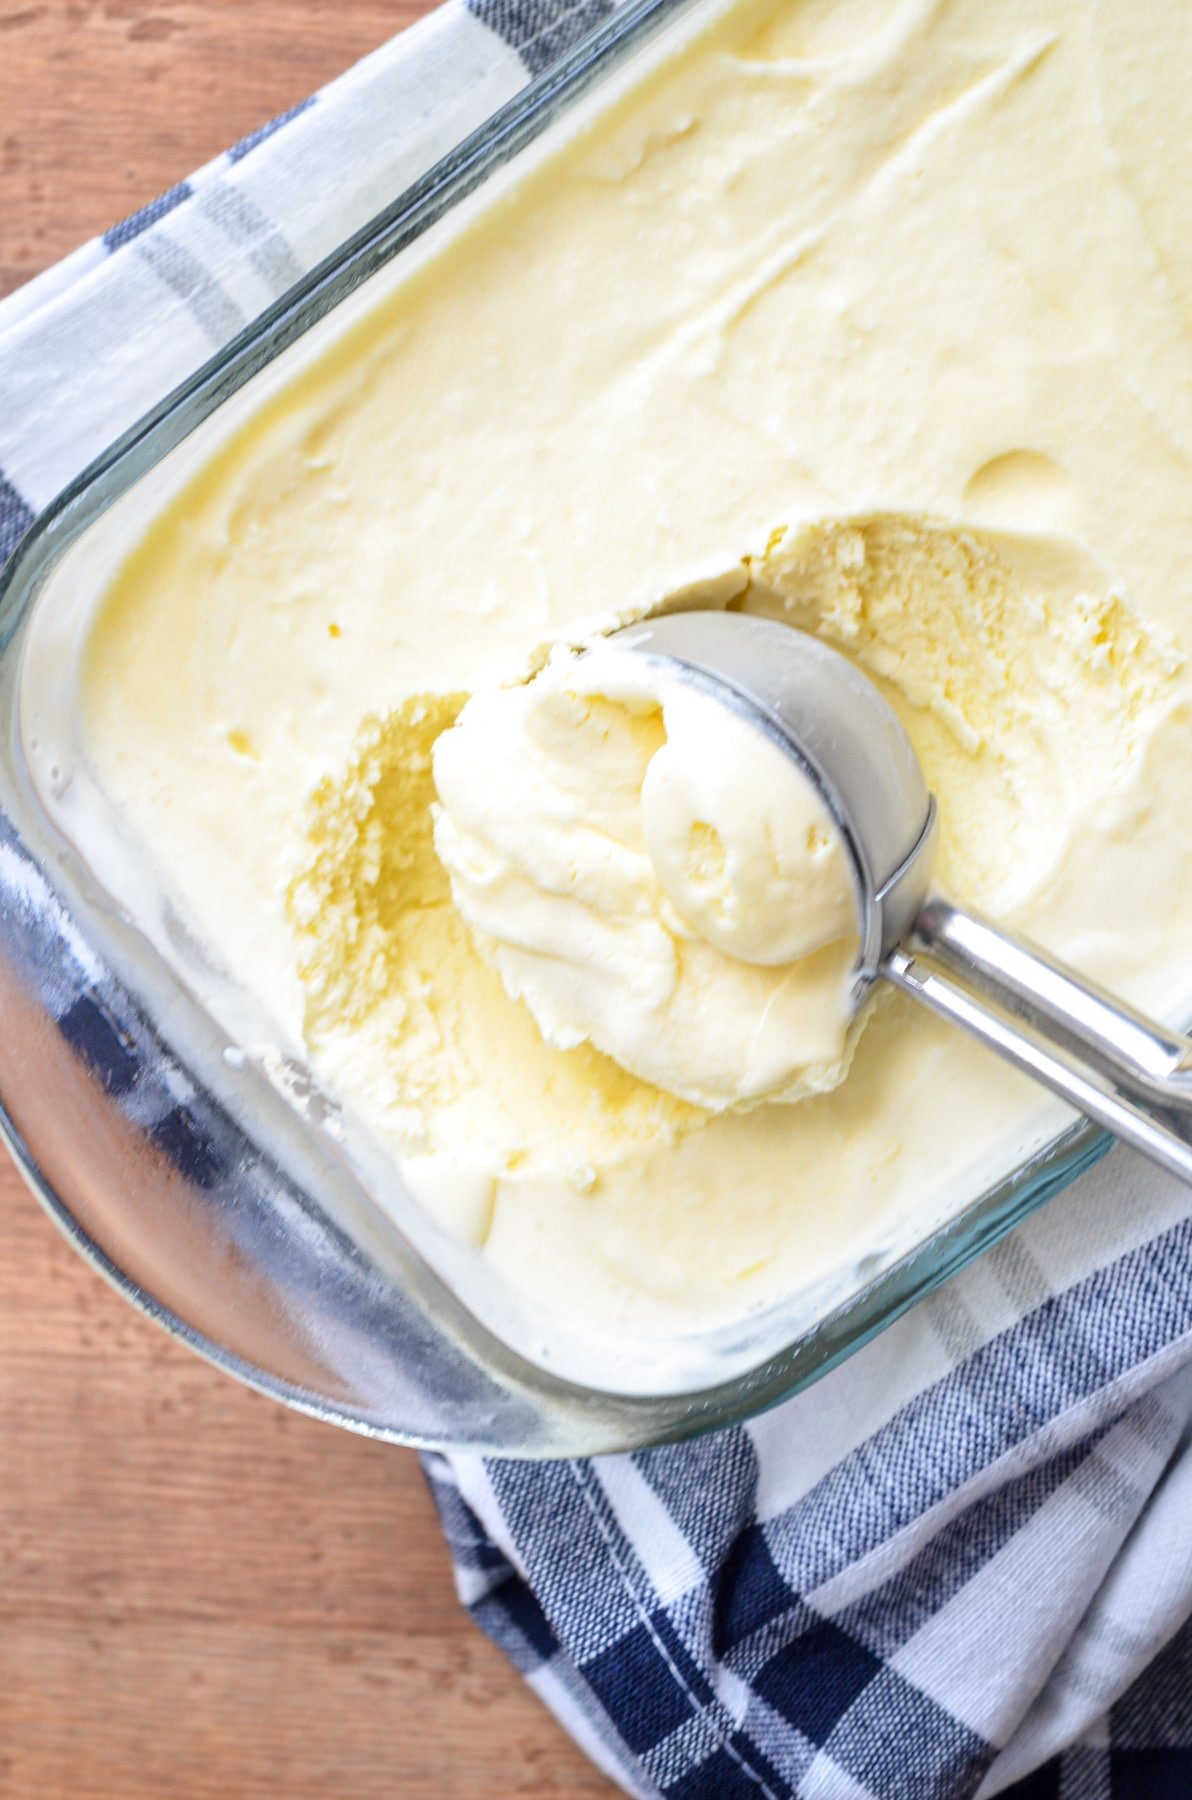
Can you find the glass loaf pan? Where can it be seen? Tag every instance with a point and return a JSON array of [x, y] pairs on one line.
[[220, 1194]]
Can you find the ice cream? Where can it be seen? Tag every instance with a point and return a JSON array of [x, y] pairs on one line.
[[640, 861], [871, 315]]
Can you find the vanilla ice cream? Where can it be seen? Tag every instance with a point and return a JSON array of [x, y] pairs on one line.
[[869, 315], [640, 862]]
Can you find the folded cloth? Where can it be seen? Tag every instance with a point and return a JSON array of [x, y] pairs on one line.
[[959, 1565]]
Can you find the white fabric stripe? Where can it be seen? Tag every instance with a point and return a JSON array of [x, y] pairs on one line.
[[800, 1442], [667, 1557], [1144, 1600], [824, 1780], [968, 1657], [474, 1485], [1116, 1207], [885, 1560]]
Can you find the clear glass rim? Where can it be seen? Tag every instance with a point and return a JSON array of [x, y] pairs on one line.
[[631, 1421]]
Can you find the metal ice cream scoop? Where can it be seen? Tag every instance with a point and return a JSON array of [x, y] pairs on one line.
[[1127, 1073]]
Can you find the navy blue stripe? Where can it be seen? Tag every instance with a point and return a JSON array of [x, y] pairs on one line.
[[636, 1684], [1150, 1774], [137, 222], [183, 1137], [94, 1035], [1041, 1784], [898, 1743], [541, 31], [748, 1593], [723, 1776], [471, 1547], [1157, 1709], [583, 1593], [813, 1682], [526, 1617], [16, 516], [262, 132], [708, 1488]]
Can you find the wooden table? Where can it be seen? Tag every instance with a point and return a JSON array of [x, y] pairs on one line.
[[202, 1594]]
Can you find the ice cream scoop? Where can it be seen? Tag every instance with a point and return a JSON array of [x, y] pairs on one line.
[[650, 876], [1123, 1070]]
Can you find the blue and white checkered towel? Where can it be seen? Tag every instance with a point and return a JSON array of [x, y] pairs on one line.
[[961, 1564]]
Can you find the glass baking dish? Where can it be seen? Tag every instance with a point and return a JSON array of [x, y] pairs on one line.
[[225, 1194]]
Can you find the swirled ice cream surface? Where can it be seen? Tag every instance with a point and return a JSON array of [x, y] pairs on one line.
[[870, 316]]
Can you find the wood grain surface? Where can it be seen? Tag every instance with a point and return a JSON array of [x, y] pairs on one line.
[[202, 1594]]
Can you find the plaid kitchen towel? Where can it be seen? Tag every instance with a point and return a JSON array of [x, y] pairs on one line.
[[959, 1565]]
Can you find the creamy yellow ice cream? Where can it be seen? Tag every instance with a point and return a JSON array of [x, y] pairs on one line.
[[643, 864], [872, 315]]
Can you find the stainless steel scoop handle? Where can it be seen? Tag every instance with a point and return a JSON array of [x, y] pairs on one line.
[[1120, 1068]]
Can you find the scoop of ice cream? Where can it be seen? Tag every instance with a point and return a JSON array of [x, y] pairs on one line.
[[745, 850], [651, 875]]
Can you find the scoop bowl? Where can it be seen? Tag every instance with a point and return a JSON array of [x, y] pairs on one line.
[[1121, 1069]]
